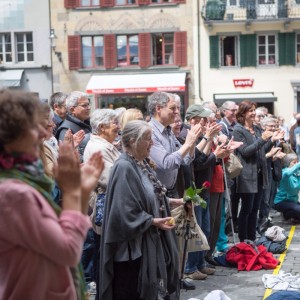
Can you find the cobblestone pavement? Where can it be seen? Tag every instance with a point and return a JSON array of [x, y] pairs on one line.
[[248, 285]]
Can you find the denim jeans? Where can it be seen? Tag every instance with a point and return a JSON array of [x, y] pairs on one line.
[[88, 255], [289, 209], [195, 260]]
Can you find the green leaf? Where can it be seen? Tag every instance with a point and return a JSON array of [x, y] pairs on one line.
[[203, 203], [189, 192]]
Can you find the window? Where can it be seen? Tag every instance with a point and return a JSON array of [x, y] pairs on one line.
[[229, 51], [124, 2], [92, 51], [267, 49], [163, 49], [89, 3], [162, 1], [5, 48], [127, 50], [298, 48], [232, 3], [24, 46], [143, 50]]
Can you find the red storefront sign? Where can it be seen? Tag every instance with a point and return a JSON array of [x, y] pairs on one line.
[[136, 90], [243, 82]]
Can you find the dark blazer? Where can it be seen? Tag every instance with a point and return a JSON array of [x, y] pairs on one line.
[[249, 154]]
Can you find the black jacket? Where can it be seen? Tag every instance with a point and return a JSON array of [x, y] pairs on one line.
[[75, 125], [251, 154]]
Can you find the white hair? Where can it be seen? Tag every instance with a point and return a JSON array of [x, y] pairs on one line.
[[73, 98], [101, 116]]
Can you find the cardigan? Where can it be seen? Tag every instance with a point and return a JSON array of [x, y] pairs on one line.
[[37, 248]]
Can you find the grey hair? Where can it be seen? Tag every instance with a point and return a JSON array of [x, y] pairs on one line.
[[288, 159], [73, 98], [57, 98], [226, 104], [101, 116], [158, 98], [210, 105], [134, 131], [267, 120]]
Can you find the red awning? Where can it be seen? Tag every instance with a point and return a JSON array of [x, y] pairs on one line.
[[136, 83]]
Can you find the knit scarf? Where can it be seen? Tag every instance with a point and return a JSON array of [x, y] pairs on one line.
[[30, 170]]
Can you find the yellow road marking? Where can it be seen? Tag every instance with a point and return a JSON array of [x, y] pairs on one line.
[[281, 259]]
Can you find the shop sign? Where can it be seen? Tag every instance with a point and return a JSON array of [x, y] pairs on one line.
[[136, 90], [243, 82]]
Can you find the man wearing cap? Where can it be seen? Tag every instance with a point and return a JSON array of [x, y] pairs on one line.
[[203, 165]]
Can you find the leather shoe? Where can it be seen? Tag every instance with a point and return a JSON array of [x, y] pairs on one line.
[[211, 261], [187, 285]]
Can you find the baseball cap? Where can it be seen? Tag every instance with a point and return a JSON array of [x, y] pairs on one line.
[[197, 110]]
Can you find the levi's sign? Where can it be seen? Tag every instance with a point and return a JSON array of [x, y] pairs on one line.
[[243, 82]]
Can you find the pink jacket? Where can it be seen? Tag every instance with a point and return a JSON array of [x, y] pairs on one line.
[[36, 247]]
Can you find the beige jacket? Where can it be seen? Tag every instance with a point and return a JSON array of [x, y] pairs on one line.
[[110, 155]]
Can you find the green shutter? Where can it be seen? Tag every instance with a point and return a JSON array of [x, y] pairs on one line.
[[248, 50], [214, 51], [287, 46]]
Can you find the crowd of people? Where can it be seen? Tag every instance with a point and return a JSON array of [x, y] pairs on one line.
[[87, 197]]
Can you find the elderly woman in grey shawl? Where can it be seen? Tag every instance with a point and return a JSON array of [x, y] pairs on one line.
[[137, 234]]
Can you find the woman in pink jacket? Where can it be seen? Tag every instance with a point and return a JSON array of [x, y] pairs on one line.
[[40, 243]]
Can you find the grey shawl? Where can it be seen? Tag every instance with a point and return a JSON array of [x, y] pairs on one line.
[[128, 215]]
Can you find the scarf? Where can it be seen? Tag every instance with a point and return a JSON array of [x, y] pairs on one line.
[[30, 170]]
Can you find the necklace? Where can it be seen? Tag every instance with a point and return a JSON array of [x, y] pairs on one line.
[[159, 189]]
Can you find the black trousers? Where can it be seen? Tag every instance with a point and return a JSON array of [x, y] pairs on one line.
[[125, 282]]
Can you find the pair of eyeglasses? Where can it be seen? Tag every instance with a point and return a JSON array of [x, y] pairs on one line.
[[115, 122], [178, 122], [232, 110], [87, 105]]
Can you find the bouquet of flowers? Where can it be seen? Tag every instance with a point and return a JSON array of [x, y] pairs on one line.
[[192, 194]]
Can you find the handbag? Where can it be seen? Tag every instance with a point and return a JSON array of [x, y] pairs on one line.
[[197, 240], [233, 166]]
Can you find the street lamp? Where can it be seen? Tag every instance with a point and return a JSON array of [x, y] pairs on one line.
[[52, 38]]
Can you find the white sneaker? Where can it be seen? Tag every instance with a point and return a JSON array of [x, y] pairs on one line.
[[91, 287]]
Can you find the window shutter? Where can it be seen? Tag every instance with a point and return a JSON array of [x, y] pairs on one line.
[[71, 3], [214, 51], [248, 50], [110, 51], [145, 50], [180, 47], [74, 51], [106, 3], [143, 2], [287, 46]]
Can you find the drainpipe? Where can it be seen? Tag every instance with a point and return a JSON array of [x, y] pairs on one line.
[[196, 51], [199, 51], [51, 60]]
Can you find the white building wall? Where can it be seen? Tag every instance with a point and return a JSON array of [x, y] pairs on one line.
[[275, 79]]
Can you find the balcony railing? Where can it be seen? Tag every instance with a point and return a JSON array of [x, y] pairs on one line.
[[218, 10]]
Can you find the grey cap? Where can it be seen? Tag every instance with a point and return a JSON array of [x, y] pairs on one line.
[[197, 110]]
